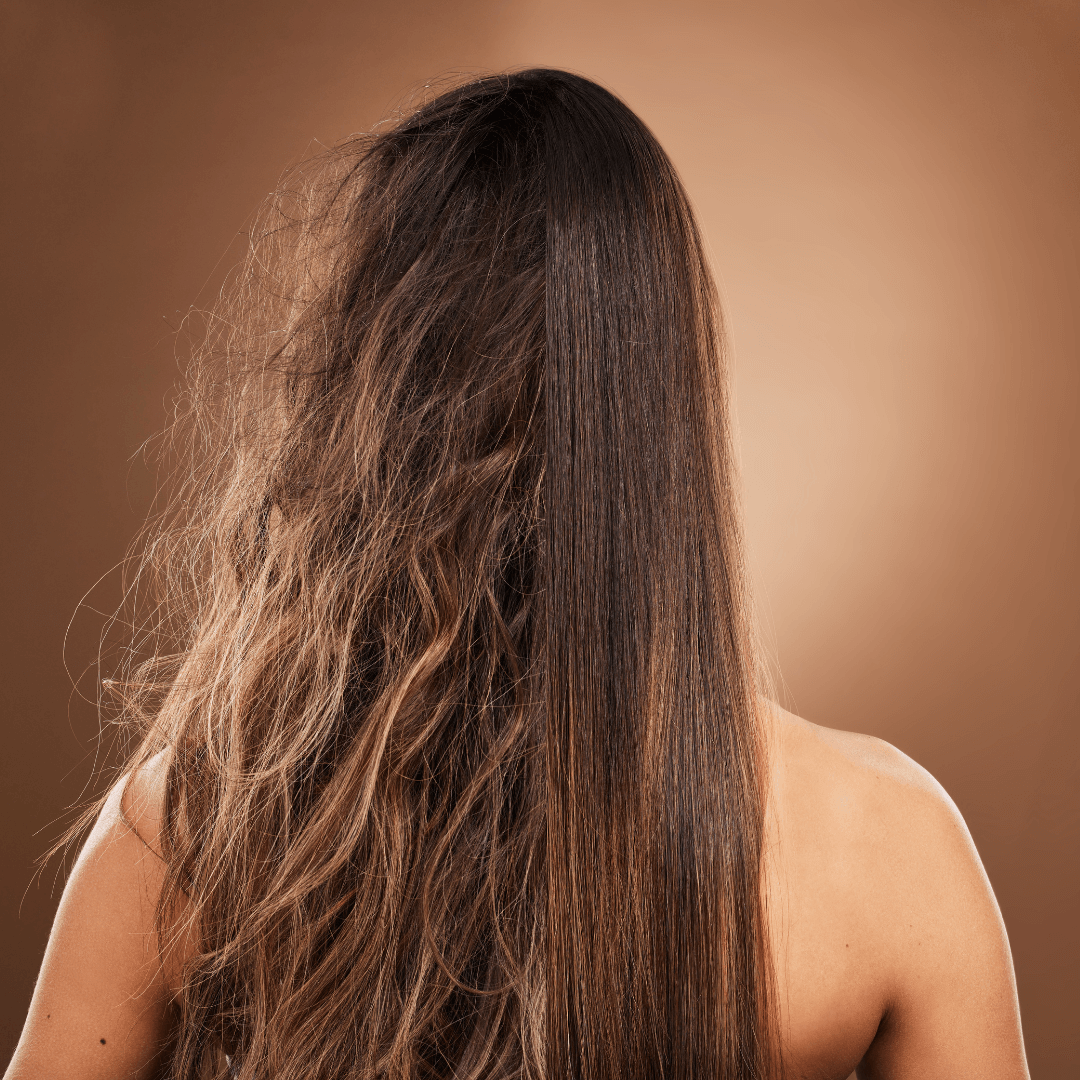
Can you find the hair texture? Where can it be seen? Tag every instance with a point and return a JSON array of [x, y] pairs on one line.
[[455, 678]]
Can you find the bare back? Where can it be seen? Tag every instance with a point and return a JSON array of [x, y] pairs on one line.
[[889, 949]]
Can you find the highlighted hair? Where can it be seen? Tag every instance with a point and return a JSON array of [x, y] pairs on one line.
[[465, 767]]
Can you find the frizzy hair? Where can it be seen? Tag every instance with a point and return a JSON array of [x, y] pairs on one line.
[[465, 770]]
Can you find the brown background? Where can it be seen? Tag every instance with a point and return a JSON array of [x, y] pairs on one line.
[[890, 192]]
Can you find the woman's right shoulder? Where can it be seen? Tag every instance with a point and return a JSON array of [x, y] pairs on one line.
[[887, 915], [861, 792]]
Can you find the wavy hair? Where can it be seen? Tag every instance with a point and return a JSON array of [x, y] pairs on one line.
[[465, 771]]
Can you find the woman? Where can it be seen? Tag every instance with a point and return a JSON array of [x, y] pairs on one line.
[[454, 755]]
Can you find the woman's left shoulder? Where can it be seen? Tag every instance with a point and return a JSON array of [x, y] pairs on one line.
[[100, 1005]]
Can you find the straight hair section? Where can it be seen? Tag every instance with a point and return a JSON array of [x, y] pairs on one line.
[[450, 654], [657, 958]]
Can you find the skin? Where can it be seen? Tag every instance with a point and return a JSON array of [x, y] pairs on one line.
[[890, 952]]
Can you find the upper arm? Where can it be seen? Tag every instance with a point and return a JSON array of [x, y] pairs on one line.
[[951, 1008], [100, 1005]]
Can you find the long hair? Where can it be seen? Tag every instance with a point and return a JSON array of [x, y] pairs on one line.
[[465, 770]]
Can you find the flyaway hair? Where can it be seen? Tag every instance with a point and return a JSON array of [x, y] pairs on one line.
[[456, 683]]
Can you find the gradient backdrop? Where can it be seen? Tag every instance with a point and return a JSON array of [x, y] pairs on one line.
[[890, 192]]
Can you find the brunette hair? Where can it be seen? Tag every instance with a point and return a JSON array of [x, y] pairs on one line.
[[465, 769]]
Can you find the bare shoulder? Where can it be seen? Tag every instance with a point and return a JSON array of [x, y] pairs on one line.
[[811, 753], [880, 821], [140, 800], [100, 1005], [887, 918], [867, 788]]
